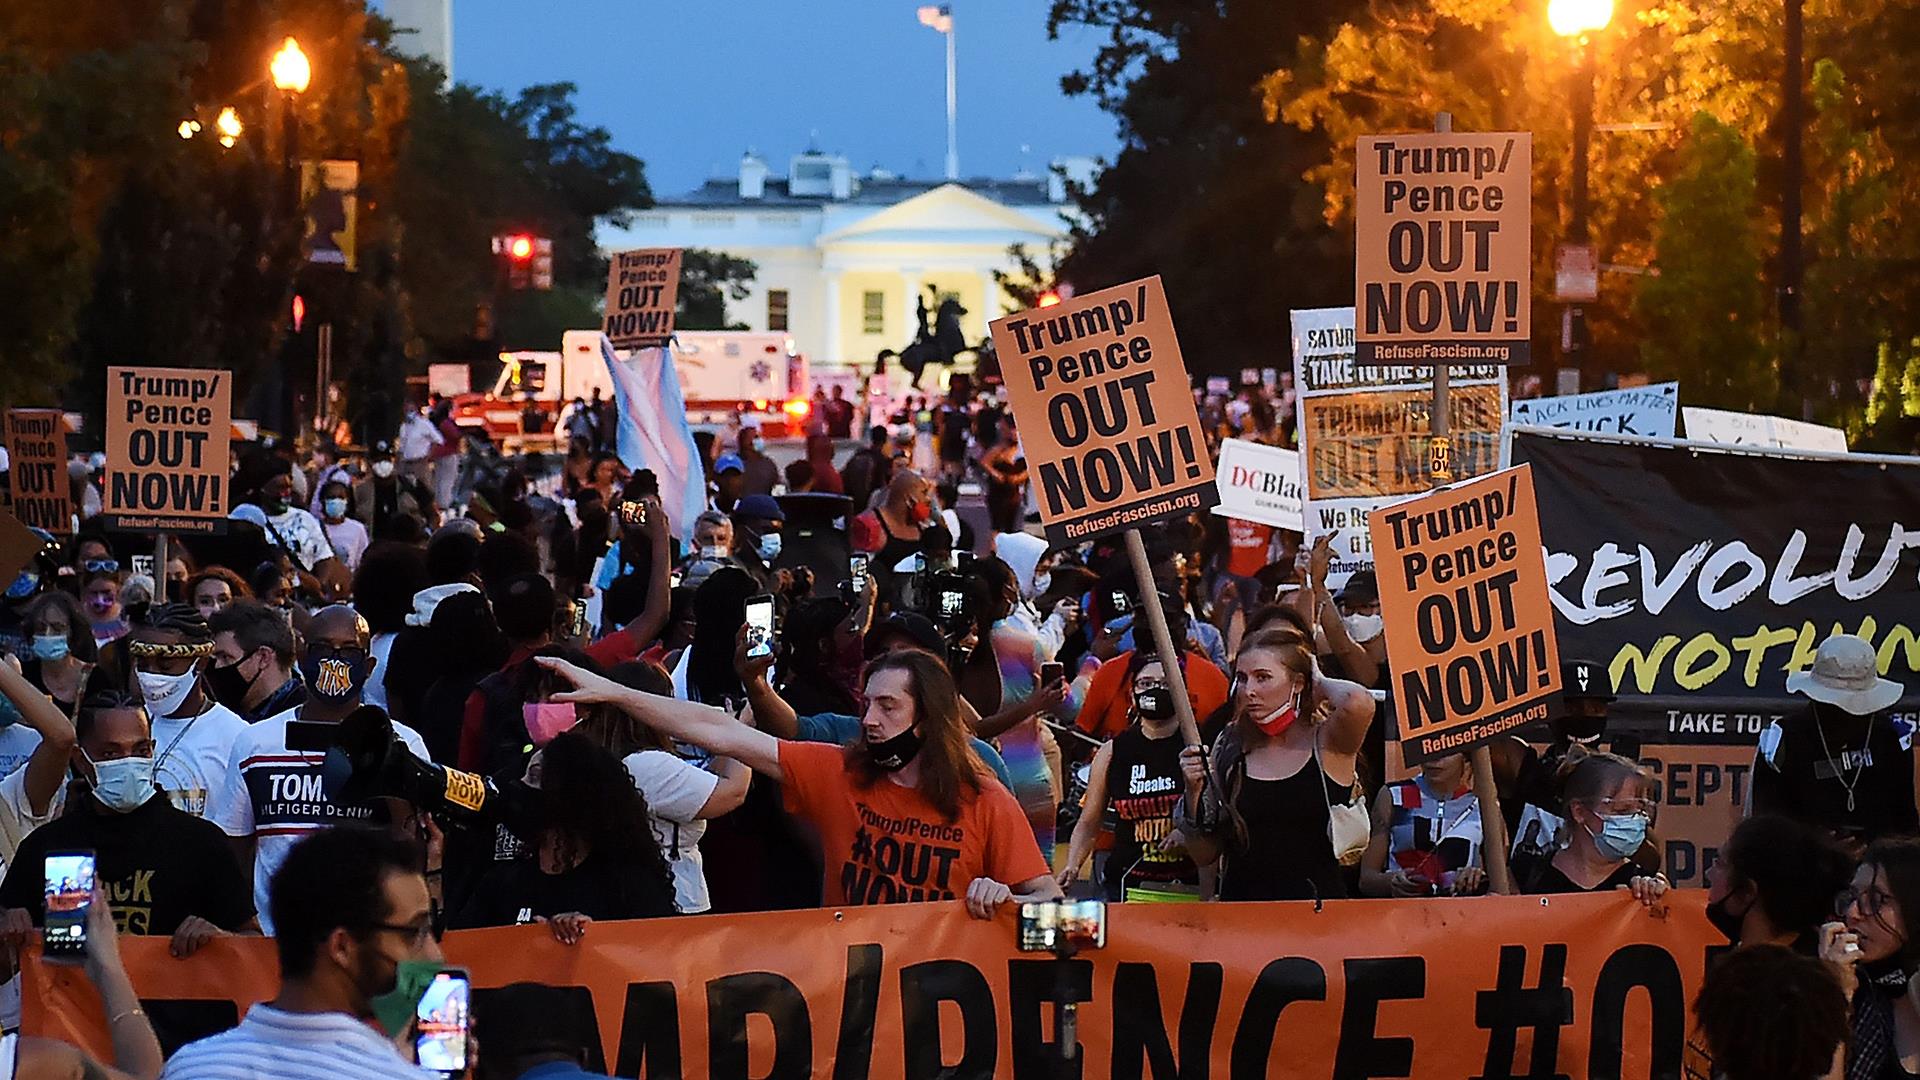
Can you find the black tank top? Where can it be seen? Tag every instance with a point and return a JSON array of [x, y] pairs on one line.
[[1144, 784], [1288, 855], [897, 547]]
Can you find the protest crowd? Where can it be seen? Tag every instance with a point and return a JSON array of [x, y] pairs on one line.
[[653, 746]]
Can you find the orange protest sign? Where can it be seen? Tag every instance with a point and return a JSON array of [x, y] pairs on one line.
[[1469, 624], [1421, 988], [37, 464], [1444, 248], [1106, 412], [167, 449], [642, 287]]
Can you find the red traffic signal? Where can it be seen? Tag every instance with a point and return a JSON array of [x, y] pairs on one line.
[[520, 246]]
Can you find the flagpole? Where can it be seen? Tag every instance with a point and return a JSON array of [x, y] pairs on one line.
[[953, 137]]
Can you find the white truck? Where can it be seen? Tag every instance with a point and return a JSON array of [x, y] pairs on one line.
[[721, 372]]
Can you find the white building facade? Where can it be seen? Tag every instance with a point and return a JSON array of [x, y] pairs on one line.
[[843, 260]]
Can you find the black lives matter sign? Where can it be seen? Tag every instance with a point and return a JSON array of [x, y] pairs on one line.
[[642, 288], [1106, 414], [1443, 248], [168, 432], [37, 468]]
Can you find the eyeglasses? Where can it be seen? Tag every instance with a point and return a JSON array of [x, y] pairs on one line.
[[1148, 684], [1643, 807], [348, 654], [1870, 901], [102, 566], [417, 934]]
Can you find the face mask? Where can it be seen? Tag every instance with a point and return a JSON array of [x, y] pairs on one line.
[[165, 693], [383, 469], [1042, 582], [1154, 704], [1585, 730], [230, 687], [1279, 720], [1724, 920], [23, 586], [769, 547], [335, 508], [123, 784], [922, 513], [545, 719], [393, 1008], [1620, 835], [1362, 628], [1888, 974], [713, 552], [334, 679], [50, 648], [273, 505], [101, 606], [892, 755]]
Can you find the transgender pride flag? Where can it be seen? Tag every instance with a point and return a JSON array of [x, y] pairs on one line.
[[654, 433]]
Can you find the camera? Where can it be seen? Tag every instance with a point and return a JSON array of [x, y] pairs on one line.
[[366, 760]]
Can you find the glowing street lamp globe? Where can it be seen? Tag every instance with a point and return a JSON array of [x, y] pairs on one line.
[[290, 69], [1571, 18]]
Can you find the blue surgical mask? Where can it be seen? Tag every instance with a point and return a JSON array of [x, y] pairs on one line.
[[123, 784], [50, 648], [1620, 835], [335, 508], [769, 547]]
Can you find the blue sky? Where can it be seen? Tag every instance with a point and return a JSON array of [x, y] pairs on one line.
[[688, 86]]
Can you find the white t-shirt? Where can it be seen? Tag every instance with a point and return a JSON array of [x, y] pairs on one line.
[[192, 759], [348, 538], [380, 648], [279, 799], [304, 537], [675, 791], [17, 743]]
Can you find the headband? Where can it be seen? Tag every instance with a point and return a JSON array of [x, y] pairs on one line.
[[154, 649]]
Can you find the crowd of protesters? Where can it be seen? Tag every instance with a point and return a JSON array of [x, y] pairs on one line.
[[546, 622]]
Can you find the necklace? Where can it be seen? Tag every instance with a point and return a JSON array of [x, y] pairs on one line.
[[1839, 764]]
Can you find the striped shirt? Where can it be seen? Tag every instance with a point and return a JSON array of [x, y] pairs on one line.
[[281, 799], [271, 1044]]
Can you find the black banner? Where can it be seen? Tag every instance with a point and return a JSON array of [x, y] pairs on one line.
[[1699, 579]]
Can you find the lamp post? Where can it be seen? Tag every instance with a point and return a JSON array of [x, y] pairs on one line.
[[291, 73], [1576, 20], [940, 17]]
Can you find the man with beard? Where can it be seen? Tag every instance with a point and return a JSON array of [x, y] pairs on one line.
[[353, 915]]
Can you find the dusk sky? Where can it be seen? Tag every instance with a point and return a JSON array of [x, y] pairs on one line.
[[689, 87]]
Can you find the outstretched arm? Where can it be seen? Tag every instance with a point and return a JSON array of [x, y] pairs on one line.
[[703, 726]]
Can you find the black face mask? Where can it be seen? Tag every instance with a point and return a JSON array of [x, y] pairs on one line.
[[892, 755], [1725, 920], [1584, 729], [1154, 704], [230, 688], [1888, 974]]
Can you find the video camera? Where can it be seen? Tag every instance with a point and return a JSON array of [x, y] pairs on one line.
[[366, 760], [941, 593]]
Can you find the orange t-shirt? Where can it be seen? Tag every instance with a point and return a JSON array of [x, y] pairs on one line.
[[1109, 696], [887, 844], [1247, 545]]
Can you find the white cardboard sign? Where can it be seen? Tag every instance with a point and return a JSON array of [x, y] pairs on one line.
[[1260, 483], [1639, 410]]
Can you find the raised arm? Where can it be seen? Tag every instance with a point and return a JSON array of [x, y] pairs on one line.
[[702, 725], [1351, 712], [48, 765]]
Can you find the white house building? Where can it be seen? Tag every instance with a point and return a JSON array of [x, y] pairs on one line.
[[844, 259]]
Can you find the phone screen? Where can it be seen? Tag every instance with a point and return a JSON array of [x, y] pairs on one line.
[[1052, 670], [857, 569], [441, 1040], [760, 627], [1121, 605], [952, 603], [1045, 926], [68, 896]]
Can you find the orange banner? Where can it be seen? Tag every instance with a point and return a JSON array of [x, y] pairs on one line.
[[1486, 987], [642, 289], [167, 449]]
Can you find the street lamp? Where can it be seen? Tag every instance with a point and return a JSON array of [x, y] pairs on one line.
[[1576, 19], [290, 69], [291, 73], [228, 125]]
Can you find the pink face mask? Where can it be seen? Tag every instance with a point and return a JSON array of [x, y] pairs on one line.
[[548, 718]]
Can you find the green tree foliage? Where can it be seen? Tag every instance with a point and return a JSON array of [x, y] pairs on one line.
[[708, 279], [129, 244], [1204, 191], [1702, 321]]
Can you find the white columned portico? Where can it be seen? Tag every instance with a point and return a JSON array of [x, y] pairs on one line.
[[835, 343]]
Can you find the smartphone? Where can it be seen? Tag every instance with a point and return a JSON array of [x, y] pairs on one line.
[[1121, 604], [962, 560], [1046, 926], [69, 895], [857, 570], [577, 628], [759, 627], [633, 512], [443, 1023], [1051, 670]]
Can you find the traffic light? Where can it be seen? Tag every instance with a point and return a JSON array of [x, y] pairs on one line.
[[542, 263], [529, 260]]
